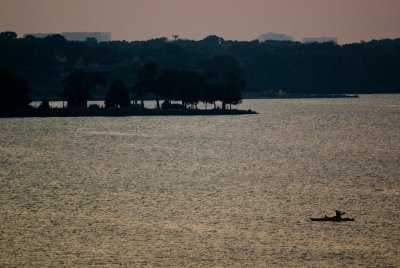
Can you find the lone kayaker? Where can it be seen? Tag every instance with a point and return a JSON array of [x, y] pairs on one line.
[[339, 214]]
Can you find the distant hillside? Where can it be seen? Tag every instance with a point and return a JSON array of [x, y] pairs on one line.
[[294, 67]]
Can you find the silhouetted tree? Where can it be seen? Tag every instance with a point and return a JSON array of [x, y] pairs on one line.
[[212, 88], [167, 82], [8, 35], [181, 85], [232, 91], [44, 105], [117, 95], [29, 37], [158, 42], [223, 65], [14, 91], [79, 85], [190, 87], [211, 94], [146, 82], [136, 93], [213, 39], [55, 38], [91, 41], [172, 56]]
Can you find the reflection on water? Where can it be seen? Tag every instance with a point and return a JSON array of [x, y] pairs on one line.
[[205, 191]]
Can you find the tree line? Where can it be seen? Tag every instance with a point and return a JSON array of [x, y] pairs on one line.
[[188, 87], [364, 67], [14, 91]]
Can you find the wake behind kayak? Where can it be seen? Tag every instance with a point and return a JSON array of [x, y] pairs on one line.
[[331, 219]]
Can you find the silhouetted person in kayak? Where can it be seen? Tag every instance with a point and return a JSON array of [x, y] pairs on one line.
[[339, 214]]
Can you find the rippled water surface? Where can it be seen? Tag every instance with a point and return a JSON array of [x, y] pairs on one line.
[[205, 191]]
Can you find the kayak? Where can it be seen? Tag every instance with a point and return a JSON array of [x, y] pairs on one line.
[[331, 219]]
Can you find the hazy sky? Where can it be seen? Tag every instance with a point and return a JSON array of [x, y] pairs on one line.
[[349, 20]]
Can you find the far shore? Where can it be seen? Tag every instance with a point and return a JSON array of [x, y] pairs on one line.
[[266, 95], [246, 95]]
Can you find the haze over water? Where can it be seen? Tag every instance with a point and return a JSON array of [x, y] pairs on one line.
[[205, 191]]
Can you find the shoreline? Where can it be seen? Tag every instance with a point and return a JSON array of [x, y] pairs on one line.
[[246, 96], [115, 112], [257, 95]]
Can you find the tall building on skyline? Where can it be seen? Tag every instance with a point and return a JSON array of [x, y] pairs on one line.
[[275, 37]]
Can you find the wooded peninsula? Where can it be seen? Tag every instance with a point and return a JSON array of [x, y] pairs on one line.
[[180, 73]]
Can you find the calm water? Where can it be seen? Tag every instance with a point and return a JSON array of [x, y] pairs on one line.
[[205, 191]]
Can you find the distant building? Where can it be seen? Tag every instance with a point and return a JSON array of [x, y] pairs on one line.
[[77, 36], [81, 36], [275, 37], [321, 39]]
